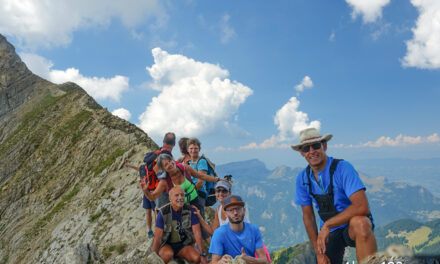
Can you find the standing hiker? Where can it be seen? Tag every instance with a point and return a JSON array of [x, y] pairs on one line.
[[339, 196], [148, 172], [183, 150], [201, 164]]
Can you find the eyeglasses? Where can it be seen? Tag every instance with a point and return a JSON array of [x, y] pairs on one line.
[[236, 209], [221, 191], [315, 146]]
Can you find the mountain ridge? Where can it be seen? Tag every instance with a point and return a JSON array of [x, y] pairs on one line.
[[65, 195]]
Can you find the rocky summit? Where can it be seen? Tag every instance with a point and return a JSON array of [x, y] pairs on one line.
[[65, 195]]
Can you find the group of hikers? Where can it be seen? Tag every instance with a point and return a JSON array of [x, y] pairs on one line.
[[178, 190]]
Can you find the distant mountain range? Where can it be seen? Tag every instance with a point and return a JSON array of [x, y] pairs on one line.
[[269, 195], [423, 172]]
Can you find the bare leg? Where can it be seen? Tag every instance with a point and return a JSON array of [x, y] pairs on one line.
[[360, 230], [149, 218], [190, 254], [166, 253]]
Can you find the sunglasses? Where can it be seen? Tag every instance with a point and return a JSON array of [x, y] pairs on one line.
[[221, 191], [315, 146]]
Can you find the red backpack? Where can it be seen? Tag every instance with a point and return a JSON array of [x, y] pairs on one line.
[[147, 170]]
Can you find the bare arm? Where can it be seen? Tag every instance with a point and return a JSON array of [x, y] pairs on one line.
[[358, 207], [154, 194], [158, 232], [310, 225], [200, 175], [199, 183], [261, 259], [312, 232], [128, 165], [202, 221], [198, 237], [216, 222]]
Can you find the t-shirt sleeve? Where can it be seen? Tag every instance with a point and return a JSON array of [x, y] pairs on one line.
[[194, 218], [216, 246], [302, 196], [202, 164], [258, 239], [159, 220], [350, 179]]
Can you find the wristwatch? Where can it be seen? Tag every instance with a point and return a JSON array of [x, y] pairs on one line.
[[203, 254]]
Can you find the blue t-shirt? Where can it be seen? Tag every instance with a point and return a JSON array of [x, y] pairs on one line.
[[201, 164], [346, 181], [226, 241], [177, 234]]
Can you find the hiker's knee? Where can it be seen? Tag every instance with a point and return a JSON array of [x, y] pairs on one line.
[[166, 253], [360, 227]]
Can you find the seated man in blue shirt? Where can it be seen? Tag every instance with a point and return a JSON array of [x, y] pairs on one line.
[[339, 196], [177, 228], [237, 238]]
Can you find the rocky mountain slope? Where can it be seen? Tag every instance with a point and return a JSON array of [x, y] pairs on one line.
[[65, 195]]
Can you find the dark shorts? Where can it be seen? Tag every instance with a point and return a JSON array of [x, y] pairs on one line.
[[337, 242], [147, 204], [176, 247]]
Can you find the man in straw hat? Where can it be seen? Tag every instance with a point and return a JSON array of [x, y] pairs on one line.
[[339, 196]]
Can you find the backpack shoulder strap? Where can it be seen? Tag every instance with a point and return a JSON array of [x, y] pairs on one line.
[[332, 171], [210, 164], [310, 180], [185, 173]]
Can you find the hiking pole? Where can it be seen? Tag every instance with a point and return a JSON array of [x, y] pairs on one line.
[[128, 165]]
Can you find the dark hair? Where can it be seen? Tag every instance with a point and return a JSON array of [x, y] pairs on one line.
[[194, 141], [183, 145], [169, 139], [161, 158]]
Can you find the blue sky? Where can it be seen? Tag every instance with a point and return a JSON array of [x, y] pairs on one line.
[[246, 76]]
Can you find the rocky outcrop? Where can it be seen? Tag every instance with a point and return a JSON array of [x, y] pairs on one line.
[[65, 195], [17, 83]]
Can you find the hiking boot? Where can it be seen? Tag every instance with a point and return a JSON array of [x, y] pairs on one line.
[[150, 234]]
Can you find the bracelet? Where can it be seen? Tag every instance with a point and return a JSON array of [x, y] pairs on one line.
[[203, 254]]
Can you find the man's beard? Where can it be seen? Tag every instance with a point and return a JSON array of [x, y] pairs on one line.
[[236, 222]]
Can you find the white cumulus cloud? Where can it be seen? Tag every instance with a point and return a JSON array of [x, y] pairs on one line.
[[195, 97], [305, 83], [398, 141], [97, 87], [290, 121], [370, 10], [122, 113], [49, 23], [423, 50]]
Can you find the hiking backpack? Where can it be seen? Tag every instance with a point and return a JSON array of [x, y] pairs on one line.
[[209, 186], [146, 170]]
